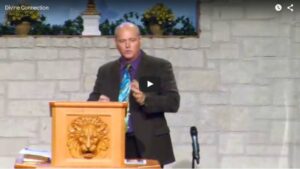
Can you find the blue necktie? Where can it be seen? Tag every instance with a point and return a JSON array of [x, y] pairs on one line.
[[124, 94]]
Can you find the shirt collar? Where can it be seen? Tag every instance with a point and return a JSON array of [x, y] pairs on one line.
[[134, 63]]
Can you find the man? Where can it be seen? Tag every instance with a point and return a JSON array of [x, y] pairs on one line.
[[147, 134]]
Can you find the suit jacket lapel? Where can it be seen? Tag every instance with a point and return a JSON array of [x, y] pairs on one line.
[[115, 80]]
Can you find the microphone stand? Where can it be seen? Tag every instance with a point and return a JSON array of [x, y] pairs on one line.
[[193, 161]]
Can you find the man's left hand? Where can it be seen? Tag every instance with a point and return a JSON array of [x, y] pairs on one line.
[[138, 95]]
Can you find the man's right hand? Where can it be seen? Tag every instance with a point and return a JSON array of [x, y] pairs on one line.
[[104, 98]]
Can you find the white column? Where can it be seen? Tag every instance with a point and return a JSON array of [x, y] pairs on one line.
[[91, 25]]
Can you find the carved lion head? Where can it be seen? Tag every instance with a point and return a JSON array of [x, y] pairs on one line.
[[87, 137]]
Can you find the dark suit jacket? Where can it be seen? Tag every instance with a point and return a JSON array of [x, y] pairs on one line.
[[149, 123]]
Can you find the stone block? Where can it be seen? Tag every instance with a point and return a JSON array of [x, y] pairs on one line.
[[181, 119], [294, 67], [205, 39], [254, 162], [3, 42], [158, 43], [189, 43], [297, 34], [94, 53], [274, 67], [3, 53], [238, 71], [12, 146], [146, 43], [284, 132], [213, 118], [17, 71], [59, 42], [198, 80], [186, 58], [215, 98], [220, 31], [251, 95], [257, 138], [74, 42], [276, 113], [255, 28], [232, 143], [18, 127], [62, 96], [165, 54], [268, 150], [87, 42], [70, 53], [21, 54], [18, 42], [69, 86], [284, 92], [2, 108], [7, 161], [43, 41], [91, 66], [188, 101], [45, 53], [100, 42], [172, 42], [45, 130], [80, 96], [224, 51], [205, 21], [28, 108], [295, 162], [264, 47], [295, 50], [89, 82], [261, 11], [228, 12], [59, 69], [111, 43], [31, 90], [2, 88]]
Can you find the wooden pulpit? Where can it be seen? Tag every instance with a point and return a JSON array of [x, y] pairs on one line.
[[88, 134]]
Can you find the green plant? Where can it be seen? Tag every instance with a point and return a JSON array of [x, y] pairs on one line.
[[22, 12], [108, 27], [183, 26], [159, 14]]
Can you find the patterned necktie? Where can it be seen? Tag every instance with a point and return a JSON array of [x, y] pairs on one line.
[[124, 93]]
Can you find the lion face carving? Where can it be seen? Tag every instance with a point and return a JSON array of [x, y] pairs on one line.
[[87, 137]]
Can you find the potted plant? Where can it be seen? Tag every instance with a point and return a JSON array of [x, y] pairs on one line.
[[158, 19], [22, 17]]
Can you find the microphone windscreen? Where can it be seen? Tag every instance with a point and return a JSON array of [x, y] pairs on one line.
[[193, 131]]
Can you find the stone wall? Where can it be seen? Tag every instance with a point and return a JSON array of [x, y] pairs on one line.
[[239, 84]]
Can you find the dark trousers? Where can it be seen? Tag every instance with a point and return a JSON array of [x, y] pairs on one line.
[[131, 148]]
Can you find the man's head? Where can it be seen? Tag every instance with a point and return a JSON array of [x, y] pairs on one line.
[[128, 40]]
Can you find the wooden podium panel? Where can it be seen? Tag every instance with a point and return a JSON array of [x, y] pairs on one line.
[[88, 134]]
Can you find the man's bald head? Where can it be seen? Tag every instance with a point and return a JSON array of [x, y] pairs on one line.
[[128, 40], [127, 25]]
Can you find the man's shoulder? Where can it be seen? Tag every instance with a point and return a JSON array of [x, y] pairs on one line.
[[109, 65], [155, 60]]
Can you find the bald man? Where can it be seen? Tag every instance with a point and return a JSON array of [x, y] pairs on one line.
[[148, 135]]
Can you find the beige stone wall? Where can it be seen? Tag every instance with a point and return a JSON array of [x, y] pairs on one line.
[[239, 84]]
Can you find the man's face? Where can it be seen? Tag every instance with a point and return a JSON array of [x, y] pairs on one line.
[[128, 42]]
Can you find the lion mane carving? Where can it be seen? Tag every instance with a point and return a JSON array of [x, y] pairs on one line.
[[88, 137]]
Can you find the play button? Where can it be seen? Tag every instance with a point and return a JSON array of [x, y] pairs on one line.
[[149, 84]]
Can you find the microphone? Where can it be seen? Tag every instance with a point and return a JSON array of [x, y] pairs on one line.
[[195, 144]]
